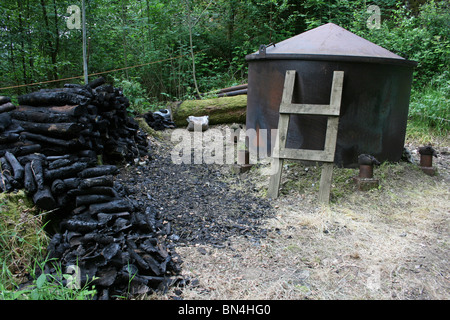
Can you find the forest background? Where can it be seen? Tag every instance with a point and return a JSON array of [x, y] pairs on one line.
[[37, 45]]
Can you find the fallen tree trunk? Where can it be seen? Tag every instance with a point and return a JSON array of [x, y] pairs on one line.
[[220, 110]]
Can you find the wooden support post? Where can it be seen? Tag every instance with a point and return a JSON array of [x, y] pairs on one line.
[[280, 151]]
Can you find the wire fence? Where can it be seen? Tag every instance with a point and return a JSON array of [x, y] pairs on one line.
[[96, 73]]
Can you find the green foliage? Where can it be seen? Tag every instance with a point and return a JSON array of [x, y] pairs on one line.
[[154, 35], [22, 252], [431, 105], [51, 287], [21, 237], [133, 90], [424, 37]]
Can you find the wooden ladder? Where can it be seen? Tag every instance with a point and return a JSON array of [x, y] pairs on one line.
[[280, 152]]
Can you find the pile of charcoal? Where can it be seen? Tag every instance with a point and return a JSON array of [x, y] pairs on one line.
[[113, 238], [76, 117], [50, 146]]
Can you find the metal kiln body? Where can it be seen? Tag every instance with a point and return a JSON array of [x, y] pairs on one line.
[[375, 98]]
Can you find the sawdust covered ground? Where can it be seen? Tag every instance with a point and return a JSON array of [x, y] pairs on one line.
[[387, 243]]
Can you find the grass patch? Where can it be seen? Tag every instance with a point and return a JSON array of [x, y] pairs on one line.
[[23, 255], [22, 238], [302, 178], [429, 110]]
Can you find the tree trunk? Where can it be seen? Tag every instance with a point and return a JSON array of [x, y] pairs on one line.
[[191, 46], [219, 110]]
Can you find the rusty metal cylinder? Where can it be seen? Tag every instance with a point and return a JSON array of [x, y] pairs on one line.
[[426, 160], [375, 97], [365, 171]]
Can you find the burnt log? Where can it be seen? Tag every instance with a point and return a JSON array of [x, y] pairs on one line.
[[58, 187], [22, 150], [96, 83], [10, 146], [5, 121], [16, 166], [5, 182], [43, 198], [102, 170], [91, 199], [7, 107], [68, 110], [58, 163], [4, 99], [38, 173], [65, 129], [9, 137], [28, 181], [106, 181], [99, 190], [79, 225], [112, 206], [67, 144], [56, 97], [5, 166], [64, 172], [41, 117], [72, 183]]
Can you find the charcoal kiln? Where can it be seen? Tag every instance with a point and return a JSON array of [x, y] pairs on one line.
[[375, 98]]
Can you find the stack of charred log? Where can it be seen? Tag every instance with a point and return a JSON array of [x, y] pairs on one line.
[[50, 146]]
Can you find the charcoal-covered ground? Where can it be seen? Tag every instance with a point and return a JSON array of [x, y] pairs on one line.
[[202, 204], [389, 243]]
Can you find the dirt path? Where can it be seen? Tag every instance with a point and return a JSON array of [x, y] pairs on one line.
[[388, 243]]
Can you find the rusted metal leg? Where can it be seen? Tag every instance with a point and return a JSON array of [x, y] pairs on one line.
[[365, 180], [426, 160]]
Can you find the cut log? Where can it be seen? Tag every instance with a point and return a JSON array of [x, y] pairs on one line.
[[43, 198], [8, 137], [91, 199], [104, 181], [41, 117], [4, 99], [64, 172], [7, 107], [38, 173], [112, 206], [220, 110], [65, 129], [5, 121], [96, 83], [53, 97], [102, 170], [58, 187], [69, 110], [101, 190], [28, 182], [22, 150], [5, 182], [58, 163], [67, 144], [16, 166], [78, 225]]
